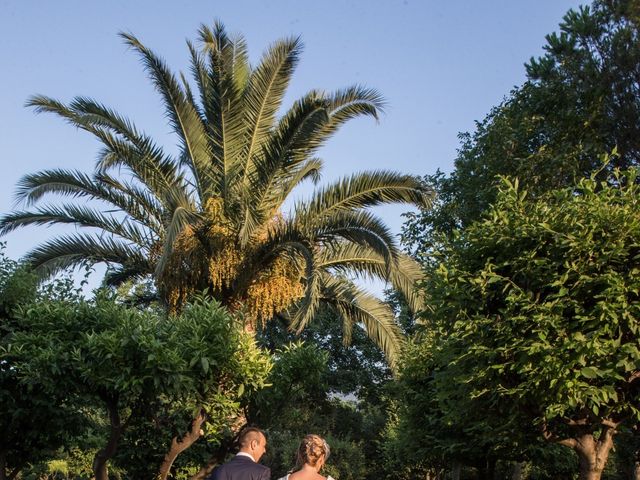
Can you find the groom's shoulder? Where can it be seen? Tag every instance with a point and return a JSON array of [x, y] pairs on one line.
[[238, 467]]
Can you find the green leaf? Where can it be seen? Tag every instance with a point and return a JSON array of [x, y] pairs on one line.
[[204, 361], [589, 372]]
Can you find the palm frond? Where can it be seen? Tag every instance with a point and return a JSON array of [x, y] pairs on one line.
[[151, 173], [263, 96], [282, 156], [145, 172], [345, 104], [181, 216], [99, 115], [32, 187], [361, 308], [308, 170], [78, 215], [235, 56], [147, 208], [184, 119], [118, 274], [348, 259], [44, 104], [71, 251], [123, 144], [359, 227], [191, 99], [289, 144], [368, 189], [225, 76], [252, 220], [306, 308], [139, 153]]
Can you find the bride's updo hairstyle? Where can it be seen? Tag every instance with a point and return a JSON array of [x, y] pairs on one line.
[[311, 449]]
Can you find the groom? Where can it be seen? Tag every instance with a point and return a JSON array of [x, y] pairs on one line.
[[245, 466]]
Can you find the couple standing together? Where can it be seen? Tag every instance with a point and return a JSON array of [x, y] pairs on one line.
[[312, 454]]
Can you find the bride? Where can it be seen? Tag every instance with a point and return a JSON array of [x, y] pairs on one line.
[[313, 453]]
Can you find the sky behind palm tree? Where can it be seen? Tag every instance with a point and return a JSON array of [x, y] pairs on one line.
[[440, 66]]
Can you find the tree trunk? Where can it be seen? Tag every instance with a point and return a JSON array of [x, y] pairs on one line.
[[516, 470], [455, 471], [4, 474], [223, 450], [179, 446], [204, 471], [102, 456], [217, 458], [487, 470], [14, 473], [593, 454], [491, 469]]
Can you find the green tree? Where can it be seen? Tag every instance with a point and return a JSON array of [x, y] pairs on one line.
[[33, 423], [438, 423], [140, 366], [211, 217], [581, 100], [340, 392], [354, 367], [537, 307], [300, 400]]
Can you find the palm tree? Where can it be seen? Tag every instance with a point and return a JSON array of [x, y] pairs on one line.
[[212, 217]]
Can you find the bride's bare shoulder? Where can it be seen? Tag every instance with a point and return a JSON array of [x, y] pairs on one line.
[[300, 475]]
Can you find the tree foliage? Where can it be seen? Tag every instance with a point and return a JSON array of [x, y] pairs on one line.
[[535, 310], [147, 371], [581, 100], [300, 401], [33, 423]]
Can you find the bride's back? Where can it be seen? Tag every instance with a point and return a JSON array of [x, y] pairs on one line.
[[312, 455], [306, 475]]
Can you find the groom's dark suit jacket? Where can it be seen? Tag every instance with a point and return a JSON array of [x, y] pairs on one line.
[[241, 468]]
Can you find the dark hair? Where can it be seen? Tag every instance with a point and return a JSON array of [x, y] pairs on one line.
[[311, 449], [247, 433]]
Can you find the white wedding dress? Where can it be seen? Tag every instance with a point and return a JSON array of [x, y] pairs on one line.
[[286, 477]]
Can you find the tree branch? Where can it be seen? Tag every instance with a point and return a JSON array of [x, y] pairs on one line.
[[549, 436], [178, 445], [14, 473], [610, 423], [577, 423]]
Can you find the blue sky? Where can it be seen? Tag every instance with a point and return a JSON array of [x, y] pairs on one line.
[[441, 65]]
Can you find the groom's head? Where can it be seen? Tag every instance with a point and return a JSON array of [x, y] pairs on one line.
[[253, 441]]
